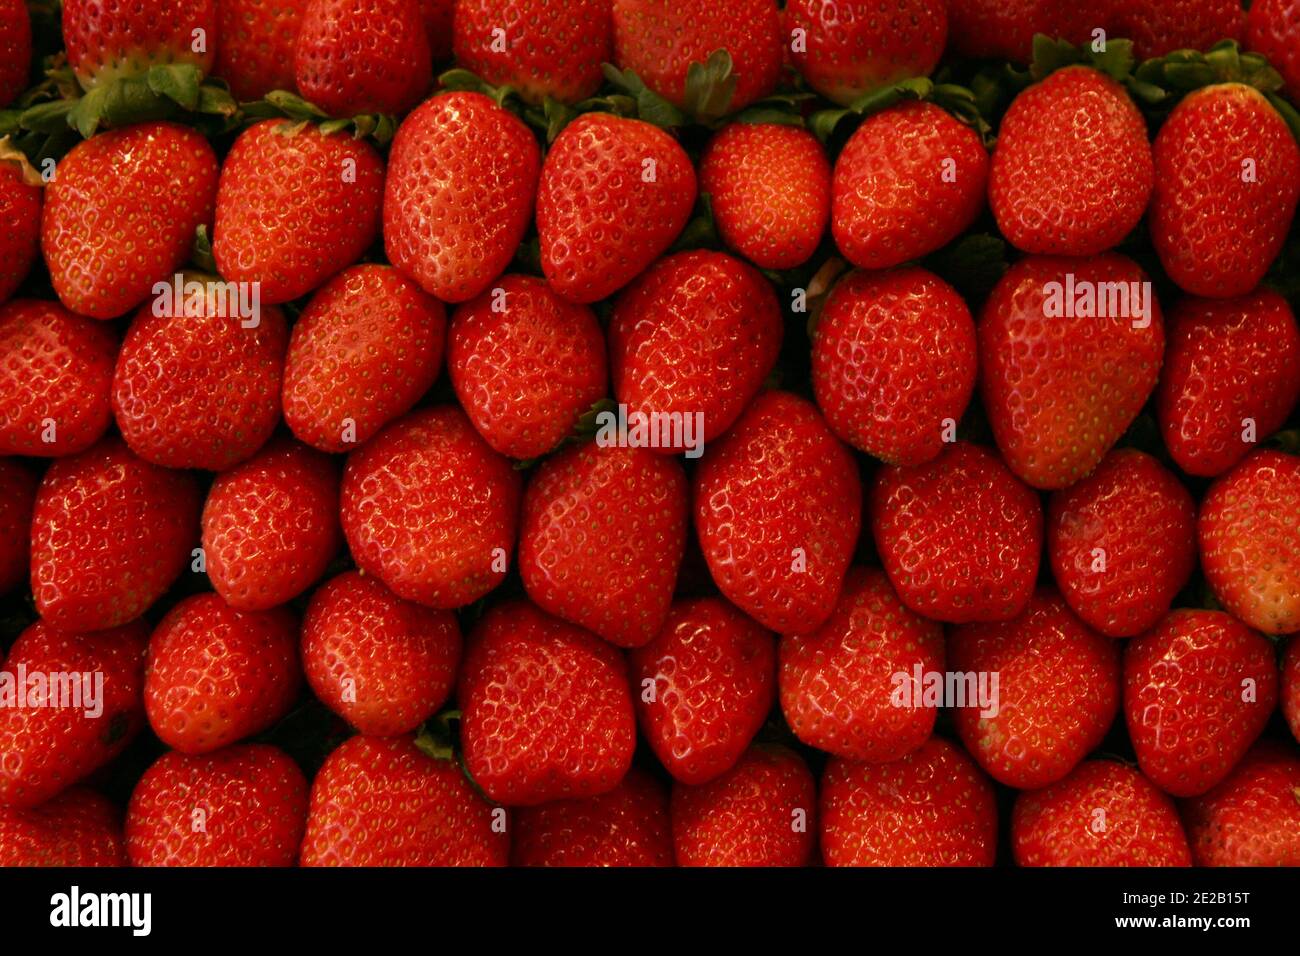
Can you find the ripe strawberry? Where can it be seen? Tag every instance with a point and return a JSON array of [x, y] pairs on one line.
[[255, 55], [1226, 165], [770, 189], [364, 351], [417, 811], [1229, 378], [1105, 813], [908, 181], [15, 51], [930, 808], [241, 806], [1057, 694], [1291, 686], [21, 199], [705, 686], [294, 207], [271, 526], [1158, 27], [897, 410], [525, 364], [383, 664], [1249, 548], [438, 18], [778, 507], [1005, 29], [110, 534], [696, 334], [1069, 351], [462, 174], [759, 813], [1253, 817], [628, 826], [959, 536], [547, 709], [49, 747], [1273, 29], [1122, 543], [114, 39], [115, 222], [430, 509], [56, 376], [1198, 690], [77, 828], [17, 496], [613, 195]]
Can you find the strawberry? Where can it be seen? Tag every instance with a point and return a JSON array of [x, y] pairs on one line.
[[1273, 29], [270, 525], [1249, 549], [1122, 543], [383, 664], [54, 744], [462, 174], [908, 182], [1069, 351], [255, 55], [1229, 378], [216, 675], [430, 509], [77, 828], [1253, 817], [1058, 692], [930, 808], [959, 536], [241, 806], [695, 334], [15, 51], [526, 365], [1198, 690], [110, 534], [770, 189], [853, 47], [364, 351], [1158, 27], [294, 207], [114, 39], [778, 507], [56, 376], [897, 410], [1005, 29], [115, 222], [21, 199], [628, 826], [438, 16], [614, 194], [547, 709], [759, 813], [17, 496], [1226, 165], [704, 687], [1291, 686], [1105, 813], [380, 801]]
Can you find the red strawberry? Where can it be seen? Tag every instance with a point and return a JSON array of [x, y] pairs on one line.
[[628, 826], [1122, 543], [294, 207], [614, 194], [1253, 817], [115, 222], [56, 379], [430, 509], [547, 709], [759, 813], [908, 181], [1229, 378], [379, 801], [1069, 350], [241, 806], [897, 410], [364, 351], [1249, 548], [1291, 686], [114, 39], [17, 496], [51, 746], [1226, 165], [1273, 29], [110, 534], [1104, 813], [770, 189], [438, 19], [704, 687], [526, 365], [930, 808], [255, 55], [778, 507], [1198, 690], [462, 174], [958, 536], [1005, 29], [383, 664], [1158, 27], [15, 51], [77, 828], [694, 335], [21, 199], [271, 526]]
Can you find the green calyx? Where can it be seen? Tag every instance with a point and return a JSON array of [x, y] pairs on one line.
[[379, 127], [960, 101]]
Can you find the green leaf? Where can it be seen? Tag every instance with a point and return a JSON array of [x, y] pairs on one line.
[[710, 87], [823, 122], [179, 82], [650, 106]]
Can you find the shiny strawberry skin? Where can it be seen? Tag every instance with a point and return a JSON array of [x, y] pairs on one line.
[[15, 51], [21, 202], [77, 828], [1253, 817], [1005, 29], [115, 39], [255, 55], [18, 485], [1291, 686], [1158, 27], [1273, 29]]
